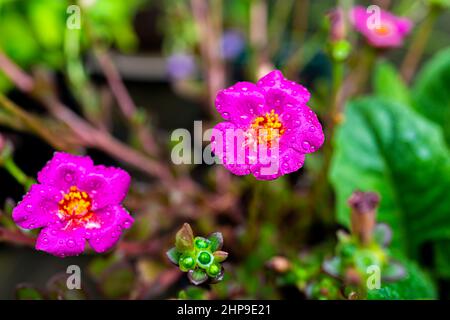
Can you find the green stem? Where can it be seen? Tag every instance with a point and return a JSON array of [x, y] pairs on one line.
[[253, 215], [320, 191], [17, 173]]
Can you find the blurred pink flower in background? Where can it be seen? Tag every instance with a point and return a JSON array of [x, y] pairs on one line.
[[75, 201], [390, 32], [268, 125]]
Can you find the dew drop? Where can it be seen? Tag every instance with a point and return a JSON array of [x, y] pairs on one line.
[[306, 145], [29, 207], [70, 243], [127, 224], [68, 177]]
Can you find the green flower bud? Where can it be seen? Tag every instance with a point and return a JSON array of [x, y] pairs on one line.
[[341, 50], [214, 270], [186, 262], [204, 258], [201, 243]]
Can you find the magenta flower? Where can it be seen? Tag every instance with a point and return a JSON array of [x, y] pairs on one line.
[[75, 201], [269, 127], [389, 33]]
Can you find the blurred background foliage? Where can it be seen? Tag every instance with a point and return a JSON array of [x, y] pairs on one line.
[[138, 69]]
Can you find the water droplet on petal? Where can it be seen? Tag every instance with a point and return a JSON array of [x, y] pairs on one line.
[[127, 224], [71, 243], [68, 177], [29, 207], [306, 145]]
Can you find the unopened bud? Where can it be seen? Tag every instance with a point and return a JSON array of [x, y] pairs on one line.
[[338, 28], [364, 206]]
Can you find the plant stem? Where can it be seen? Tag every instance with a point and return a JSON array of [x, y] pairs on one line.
[[320, 190], [17, 173], [30, 121], [415, 52], [208, 20], [253, 215]]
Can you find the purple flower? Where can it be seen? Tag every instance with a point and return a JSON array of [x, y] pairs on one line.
[[269, 127], [233, 44], [389, 33], [181, 66], [75, 201]]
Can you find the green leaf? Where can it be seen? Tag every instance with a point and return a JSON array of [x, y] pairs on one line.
[[173, 255], [416, 285], [193, 293], [48, 19], [387, 148], [197, 276], [388, 83], [26, 292], [184, 239], [216, 240], [431, 94], [442, 259], [220, 256], [17, 38]]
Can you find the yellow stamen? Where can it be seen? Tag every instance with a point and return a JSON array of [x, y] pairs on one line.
[[383, 30], [76, 205], [272, 126]]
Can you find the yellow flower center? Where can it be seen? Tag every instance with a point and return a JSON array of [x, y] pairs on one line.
[[383, 30], [75, 206], [267, 128]]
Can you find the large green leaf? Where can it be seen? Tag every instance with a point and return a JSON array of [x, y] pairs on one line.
[[388, 148], [415, 285], [388, 84], [431, 93]]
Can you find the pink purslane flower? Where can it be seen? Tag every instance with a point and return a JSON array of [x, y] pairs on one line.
[[389, 31], [75, 201], [269, 127]]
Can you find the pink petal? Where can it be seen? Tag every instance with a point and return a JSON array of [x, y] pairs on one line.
[[61, 243], [288, 160], [303, 130], [113, 220], [279, 91], [105, 185], [233, 159], [38, 208], [65, 170], [404, 25], [240, 103]]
